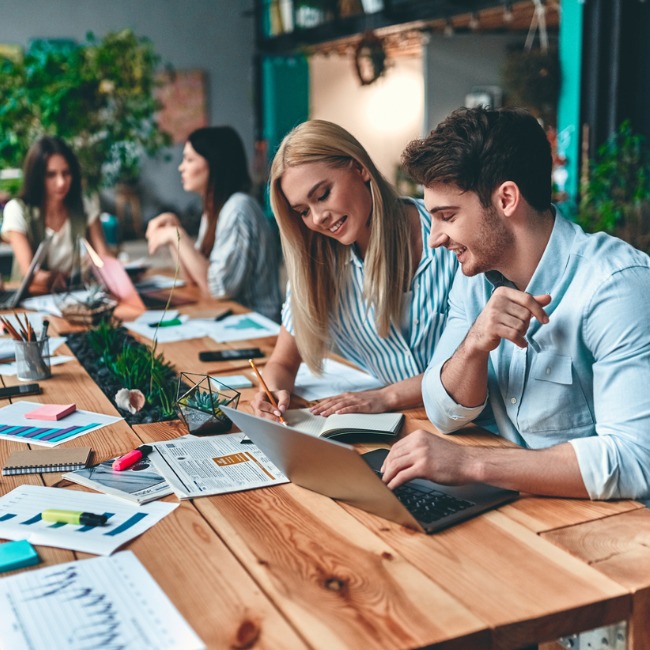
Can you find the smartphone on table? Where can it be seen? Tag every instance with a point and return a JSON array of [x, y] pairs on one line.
[[230, 355], [19, 391]]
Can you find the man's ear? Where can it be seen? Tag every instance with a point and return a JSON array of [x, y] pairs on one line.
[[507, 197]]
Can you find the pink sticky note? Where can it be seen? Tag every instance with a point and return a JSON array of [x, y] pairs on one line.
[[51, 411]]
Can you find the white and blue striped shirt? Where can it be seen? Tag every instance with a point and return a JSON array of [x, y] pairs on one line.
[[407, 350], [245, 258]]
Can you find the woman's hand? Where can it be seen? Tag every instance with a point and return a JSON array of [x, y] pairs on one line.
[[367, 401], [161, 221], [159, 237], [264, 409]]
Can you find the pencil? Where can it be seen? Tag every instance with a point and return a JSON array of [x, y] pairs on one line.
[[266, 389]]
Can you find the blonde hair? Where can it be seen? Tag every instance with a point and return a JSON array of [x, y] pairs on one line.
[[317, 265]]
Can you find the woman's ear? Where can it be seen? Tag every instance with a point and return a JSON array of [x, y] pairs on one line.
[[507, 197], [361, 170]]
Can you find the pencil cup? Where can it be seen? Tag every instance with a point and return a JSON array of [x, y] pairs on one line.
[[33, 359]]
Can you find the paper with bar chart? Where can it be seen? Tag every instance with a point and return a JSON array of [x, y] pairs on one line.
[[20, 518], [16, 427], [96, 603]]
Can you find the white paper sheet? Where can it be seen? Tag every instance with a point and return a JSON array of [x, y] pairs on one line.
[[197, 467], [157, 282], [16, 427], [336, 378], [20, 518], [240, 327], [49, 303], [96, 603], [188, 329]]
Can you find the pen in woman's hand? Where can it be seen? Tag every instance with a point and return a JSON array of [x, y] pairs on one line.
[[266, 390]]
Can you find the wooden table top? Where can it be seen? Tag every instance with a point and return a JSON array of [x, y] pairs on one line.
[[284, 567]]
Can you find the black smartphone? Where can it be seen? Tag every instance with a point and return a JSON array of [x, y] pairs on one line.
[[230, 355], [19, 391]]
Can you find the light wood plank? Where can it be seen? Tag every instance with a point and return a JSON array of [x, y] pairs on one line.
[[510, 577], [208, 585], [338, 585]]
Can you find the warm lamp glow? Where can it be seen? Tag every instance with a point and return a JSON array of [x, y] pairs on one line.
[[395, 102]]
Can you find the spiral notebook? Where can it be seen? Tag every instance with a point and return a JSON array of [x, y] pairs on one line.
[[36, 461]]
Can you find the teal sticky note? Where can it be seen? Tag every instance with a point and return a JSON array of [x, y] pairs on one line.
[[16, 555]]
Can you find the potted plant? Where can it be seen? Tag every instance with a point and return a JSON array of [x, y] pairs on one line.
[[615, 192], [97, 96], [198, 407]]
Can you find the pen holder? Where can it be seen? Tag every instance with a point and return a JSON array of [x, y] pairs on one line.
[[33, 359], [198, 407]]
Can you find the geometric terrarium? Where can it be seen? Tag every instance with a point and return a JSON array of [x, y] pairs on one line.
[[198, 406]]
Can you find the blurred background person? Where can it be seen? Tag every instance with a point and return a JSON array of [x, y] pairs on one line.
[[50, 204], [236, 255]]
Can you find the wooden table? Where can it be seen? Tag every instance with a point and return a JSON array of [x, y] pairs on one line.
[[284, 567]]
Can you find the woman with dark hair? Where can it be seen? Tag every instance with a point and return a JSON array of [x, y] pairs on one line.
[[236, 254], [50, 204]]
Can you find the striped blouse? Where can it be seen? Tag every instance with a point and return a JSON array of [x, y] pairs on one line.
[[408, 348], [245, 258]]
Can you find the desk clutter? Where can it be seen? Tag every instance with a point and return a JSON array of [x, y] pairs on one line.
[[40, 608], [16, 425]]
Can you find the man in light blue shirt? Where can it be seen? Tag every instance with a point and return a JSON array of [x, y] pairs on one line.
[[548, 328]]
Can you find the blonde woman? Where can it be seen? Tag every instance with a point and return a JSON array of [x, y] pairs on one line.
[[362, 280]]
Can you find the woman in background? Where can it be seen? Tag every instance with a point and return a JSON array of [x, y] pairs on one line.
[[50, 204], [236, 255], [363, 281]]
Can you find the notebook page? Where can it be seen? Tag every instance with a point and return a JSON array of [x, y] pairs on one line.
[[305, 421], [365, 421]]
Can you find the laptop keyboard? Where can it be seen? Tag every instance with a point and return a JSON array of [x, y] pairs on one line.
[[429, 504]]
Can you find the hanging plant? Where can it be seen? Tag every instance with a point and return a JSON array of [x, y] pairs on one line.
[[531, 79], [369, 59]]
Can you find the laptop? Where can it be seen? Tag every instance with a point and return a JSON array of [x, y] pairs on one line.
[[338, 471], [10, 299], [116, 279]]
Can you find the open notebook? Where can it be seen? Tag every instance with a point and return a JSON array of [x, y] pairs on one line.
[[348, 426]]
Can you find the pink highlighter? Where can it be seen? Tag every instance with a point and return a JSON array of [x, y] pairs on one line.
[[124, 462]]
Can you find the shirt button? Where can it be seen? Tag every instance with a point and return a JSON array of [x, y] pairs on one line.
[[416, 321], [548, 371], [513, 400]]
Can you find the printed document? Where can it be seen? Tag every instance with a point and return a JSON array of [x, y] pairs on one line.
[[97, 603], [20, 518], [197, 467]]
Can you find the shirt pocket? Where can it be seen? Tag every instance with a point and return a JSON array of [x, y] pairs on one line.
[[553, 398]]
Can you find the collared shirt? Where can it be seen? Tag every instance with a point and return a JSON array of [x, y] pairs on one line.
[[408, 348], [245, 258], [585, 375]]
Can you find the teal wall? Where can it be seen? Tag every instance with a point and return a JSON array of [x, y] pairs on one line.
[[569, 104], [285, 98]]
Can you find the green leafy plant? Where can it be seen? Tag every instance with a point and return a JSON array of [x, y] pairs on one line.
[[98, 96], [204, 401], [615, 197]]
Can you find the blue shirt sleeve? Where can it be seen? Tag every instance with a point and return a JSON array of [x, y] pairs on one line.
[[615, 463], [442, 410]]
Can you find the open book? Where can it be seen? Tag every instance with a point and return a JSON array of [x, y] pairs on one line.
[[349, 426]]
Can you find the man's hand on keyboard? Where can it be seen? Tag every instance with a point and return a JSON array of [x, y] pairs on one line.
[[424, 455]]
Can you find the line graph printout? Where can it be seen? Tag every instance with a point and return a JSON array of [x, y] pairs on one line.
[[20, 518], [91, 604]]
